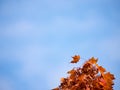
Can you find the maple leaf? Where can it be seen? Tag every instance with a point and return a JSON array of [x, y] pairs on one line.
[[71, 71], [81, 77], [90, 76], [102, 81], [93, 60], [76, 58], [62, 79], [109, 75], [101, 69]]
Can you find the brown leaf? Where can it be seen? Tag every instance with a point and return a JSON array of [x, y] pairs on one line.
[[76, 58], [90, 76]]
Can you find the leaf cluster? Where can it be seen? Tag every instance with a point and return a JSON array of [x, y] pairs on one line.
[[90, 76]]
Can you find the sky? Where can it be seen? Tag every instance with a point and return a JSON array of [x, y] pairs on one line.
[[39, 37]]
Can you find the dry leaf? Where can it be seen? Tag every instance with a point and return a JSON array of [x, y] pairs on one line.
[[93, 60], [90, 76], [76, 58], [55, 89], [101, 69]]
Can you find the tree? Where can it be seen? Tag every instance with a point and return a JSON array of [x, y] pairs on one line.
[[90, 76]]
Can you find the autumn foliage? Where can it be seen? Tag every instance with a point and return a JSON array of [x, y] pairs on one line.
[[90, 76]]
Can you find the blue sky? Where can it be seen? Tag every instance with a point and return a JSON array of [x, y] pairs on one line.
[[38, 38]]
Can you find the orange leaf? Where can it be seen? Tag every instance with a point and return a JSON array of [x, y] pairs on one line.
[[93, 60], [76, 58], [71, 71], [101, 69], [62, 79], [90, 76], [81, 77], [109, 75], [102, 82], [55, 89]]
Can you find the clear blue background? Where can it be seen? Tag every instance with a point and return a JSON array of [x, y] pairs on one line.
[[38, 38]]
